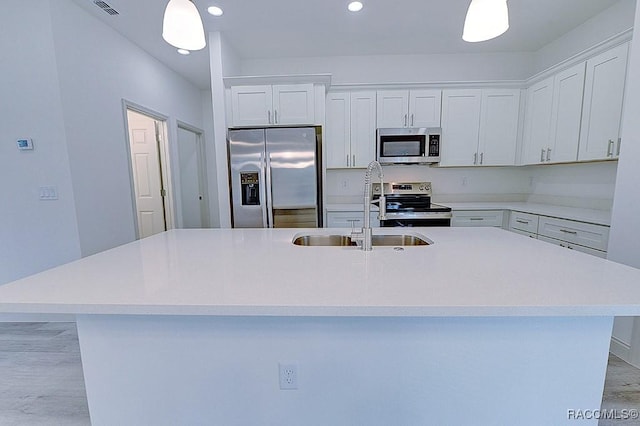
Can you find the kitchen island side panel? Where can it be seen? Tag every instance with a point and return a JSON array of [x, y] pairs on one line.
[[167, 370]]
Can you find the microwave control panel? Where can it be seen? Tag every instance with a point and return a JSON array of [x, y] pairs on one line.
[[434, 146]]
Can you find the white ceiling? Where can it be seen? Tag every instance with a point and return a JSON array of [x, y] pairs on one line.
[[290, 28]]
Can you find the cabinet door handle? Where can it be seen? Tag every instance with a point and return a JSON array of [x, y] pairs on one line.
[[269, 116], [548, 154], [405, 120], [481, 157], [542, 155], [566, 231], [610, 148], [348, 161], [526, 222], [353, 163], [475, 158], [618, 150], [411, 120], [275, 115]]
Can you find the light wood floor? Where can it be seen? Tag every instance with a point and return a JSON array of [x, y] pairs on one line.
[[41, 380]]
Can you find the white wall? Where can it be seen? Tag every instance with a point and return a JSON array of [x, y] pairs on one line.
[[610, 22], [400, 68], [454, 184], [97, 69], [34, 235], [624, 241], [586, 185]]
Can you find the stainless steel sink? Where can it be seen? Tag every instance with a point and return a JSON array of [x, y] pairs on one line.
[[398, 240], [323, 240], [319, 240]]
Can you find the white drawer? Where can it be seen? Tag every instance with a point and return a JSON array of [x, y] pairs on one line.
[[584, 234], [576, 247], [523, 221], [350, 219], [528, 234], [477, 218]]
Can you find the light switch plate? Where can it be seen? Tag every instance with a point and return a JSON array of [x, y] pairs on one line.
[[48, 193]]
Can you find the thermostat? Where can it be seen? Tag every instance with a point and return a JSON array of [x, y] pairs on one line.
[[25, 144]]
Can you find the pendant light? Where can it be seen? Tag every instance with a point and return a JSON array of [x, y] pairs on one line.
[[486, 19], [182, 26]]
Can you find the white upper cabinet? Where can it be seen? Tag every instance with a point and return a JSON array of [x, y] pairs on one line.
[[424, 108], [363, 128], [408, 108], [460, 127], [350, 129], [499, 115], [272, 105], [479, 127], [602, 108], [553, 116], [566, 115], [538, 121], [337, 130]]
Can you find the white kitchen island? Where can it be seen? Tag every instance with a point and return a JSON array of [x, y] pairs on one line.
[[483, 327]]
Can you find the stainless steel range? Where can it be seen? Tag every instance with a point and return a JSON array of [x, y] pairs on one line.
[[409, 204]]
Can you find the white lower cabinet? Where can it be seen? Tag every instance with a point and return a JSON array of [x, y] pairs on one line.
[[580, 233], [525, 233], [576, 247], [477, 218], [522, 221], [350, 219], [580, 236]]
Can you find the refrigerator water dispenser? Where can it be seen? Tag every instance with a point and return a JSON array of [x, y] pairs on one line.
[[250, 188]]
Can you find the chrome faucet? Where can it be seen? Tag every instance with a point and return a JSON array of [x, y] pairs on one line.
[[363, 237]]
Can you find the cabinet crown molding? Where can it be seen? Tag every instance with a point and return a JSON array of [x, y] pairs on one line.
[[590, 52], [253, 80]]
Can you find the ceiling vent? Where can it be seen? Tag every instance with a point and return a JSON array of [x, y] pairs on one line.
[[106, 7]]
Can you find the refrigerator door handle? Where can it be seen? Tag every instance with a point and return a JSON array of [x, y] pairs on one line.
[[269, 195], [263, 192]]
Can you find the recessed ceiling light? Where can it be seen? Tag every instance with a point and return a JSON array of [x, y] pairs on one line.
[[215, 11], [183, 51], [355, 6]]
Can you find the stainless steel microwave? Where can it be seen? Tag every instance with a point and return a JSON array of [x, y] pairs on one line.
[[412, 145]]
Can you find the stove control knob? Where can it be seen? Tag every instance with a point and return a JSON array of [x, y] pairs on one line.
[[422, 188]]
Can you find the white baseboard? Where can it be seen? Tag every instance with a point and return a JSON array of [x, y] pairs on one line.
[[620, 349], [37, 318]]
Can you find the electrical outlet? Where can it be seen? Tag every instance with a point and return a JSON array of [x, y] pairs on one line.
[[345, 184], [288, 376]]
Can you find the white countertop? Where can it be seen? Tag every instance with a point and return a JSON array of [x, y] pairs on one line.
[[467, 272], [599, 217]]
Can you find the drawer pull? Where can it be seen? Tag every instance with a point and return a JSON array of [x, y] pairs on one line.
[[526, 222], [476, 218], [566, 231]]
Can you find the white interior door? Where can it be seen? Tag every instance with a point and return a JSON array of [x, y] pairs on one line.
[[146, 166], [192, 199]]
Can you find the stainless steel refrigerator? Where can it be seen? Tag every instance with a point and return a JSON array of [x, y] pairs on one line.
[[275, 177]]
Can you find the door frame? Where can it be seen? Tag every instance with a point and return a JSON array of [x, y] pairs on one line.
[[202, 171], [165, 164]]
